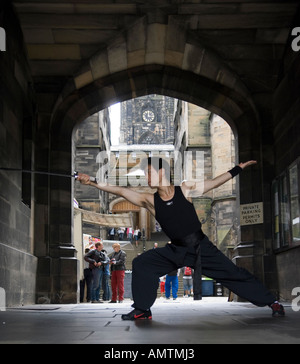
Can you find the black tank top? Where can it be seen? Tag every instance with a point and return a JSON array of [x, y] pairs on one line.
[[177, 217]]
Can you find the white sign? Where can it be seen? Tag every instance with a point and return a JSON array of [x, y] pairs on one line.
[[2, 299], [2, 40], [252, 213]]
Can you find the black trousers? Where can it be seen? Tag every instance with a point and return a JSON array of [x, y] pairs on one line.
[[149, 266]]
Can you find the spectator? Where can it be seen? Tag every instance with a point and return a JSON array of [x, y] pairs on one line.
[[137, 235], [129, 234], [187, 279], [121, 232], [105, 281], [117, 263], [87, 281], [172, 282], [112, 234], [162, 281], [97, 259]]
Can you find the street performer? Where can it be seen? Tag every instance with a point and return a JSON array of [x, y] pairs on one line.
[[172, 207]]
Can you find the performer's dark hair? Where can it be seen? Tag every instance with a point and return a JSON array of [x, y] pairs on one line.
[[157, 163]]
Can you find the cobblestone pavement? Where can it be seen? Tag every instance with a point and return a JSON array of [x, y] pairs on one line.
[[184, 321]]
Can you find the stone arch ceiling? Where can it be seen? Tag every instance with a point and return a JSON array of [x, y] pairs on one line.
[[72, 44]]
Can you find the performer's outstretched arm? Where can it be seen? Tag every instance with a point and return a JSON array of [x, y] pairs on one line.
[[137, 198], [199, 188]]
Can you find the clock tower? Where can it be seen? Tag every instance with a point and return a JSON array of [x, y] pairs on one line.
[[148, 120]]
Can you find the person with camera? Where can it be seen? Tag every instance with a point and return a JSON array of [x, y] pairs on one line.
[[97, 259]]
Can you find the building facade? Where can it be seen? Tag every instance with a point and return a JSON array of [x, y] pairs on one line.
[[90, 138], [147, 120], [207, 143]]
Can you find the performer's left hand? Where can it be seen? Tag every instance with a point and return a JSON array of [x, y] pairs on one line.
[[247, 164]]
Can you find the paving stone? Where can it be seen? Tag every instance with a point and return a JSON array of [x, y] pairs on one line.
[[184, 321]]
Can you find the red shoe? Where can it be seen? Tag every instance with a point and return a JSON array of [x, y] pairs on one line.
[[277, 309]]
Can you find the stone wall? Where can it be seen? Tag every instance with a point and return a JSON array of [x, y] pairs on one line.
[[17, 262], [286, 106]]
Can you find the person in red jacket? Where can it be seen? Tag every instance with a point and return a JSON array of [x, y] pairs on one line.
[[117, 263]]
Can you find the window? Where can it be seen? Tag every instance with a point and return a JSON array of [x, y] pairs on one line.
[[286, 208], [275, 201], [294, 195]]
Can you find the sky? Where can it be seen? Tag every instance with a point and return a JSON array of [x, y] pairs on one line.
[[114, 111]]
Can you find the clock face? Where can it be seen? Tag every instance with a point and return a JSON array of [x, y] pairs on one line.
[[148, 115]]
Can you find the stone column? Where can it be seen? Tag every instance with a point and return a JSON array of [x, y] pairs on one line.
[[250, 251], [58, 267]]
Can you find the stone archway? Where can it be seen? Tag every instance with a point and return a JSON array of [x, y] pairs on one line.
[[141, 217], [121, 205], [146, 58], [149, 58]]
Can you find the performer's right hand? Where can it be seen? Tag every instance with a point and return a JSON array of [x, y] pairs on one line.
[[83, 178]]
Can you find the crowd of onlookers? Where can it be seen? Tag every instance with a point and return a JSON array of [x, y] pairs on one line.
[[123, 233], [106, 274], [103, 273]]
